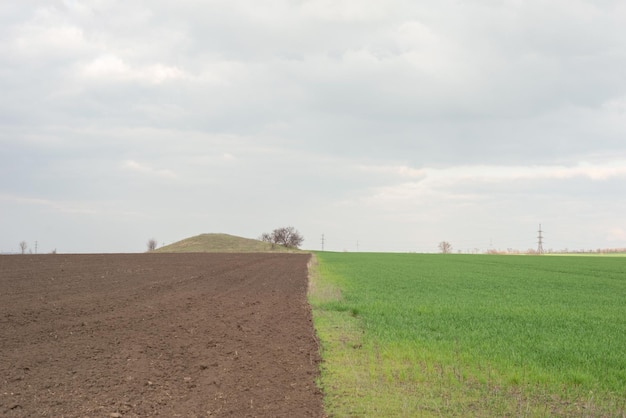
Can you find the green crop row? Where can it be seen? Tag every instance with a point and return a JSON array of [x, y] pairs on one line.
[[478, 335]]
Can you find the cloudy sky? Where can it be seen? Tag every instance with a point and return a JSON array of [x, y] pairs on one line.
[[382, 125]]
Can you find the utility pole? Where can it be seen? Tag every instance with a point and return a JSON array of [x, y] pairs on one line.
[[540, 241], [36, 247], [322, 242]]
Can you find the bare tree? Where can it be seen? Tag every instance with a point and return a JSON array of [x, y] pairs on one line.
[[287, 236], [23, 247], [152, 244], [445, 247], [267, 237]]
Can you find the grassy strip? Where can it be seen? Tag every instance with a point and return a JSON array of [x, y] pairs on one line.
[[429, 335]]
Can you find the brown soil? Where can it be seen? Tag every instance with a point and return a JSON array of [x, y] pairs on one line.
[[127, 335]]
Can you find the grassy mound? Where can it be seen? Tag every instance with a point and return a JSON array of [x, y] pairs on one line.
[[221, 243]]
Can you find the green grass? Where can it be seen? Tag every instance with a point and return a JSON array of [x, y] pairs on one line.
[[471, 335], [221, 243]]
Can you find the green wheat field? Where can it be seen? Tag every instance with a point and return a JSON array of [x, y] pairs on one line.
[[471, 335]]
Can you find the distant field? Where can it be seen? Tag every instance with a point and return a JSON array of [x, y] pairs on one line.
[[471, 335]]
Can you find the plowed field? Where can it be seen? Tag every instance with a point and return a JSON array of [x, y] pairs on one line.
[[157, 335]]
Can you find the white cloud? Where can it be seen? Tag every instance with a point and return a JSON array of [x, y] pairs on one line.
[[474, 183], [137, 167], [57, 40], [110, 67], [345, 10], [507, 173], [78, 208], [617, 234], [401, 171], [616, 106]]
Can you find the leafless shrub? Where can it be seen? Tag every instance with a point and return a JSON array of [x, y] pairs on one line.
[[445, 247]]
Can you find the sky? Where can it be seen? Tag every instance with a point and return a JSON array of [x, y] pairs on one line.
[[377, 125]]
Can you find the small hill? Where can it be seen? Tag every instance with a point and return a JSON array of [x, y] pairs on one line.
[[221, 243]]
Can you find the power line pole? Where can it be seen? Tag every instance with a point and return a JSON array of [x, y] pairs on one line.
[[322, 242], [540, 241]]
